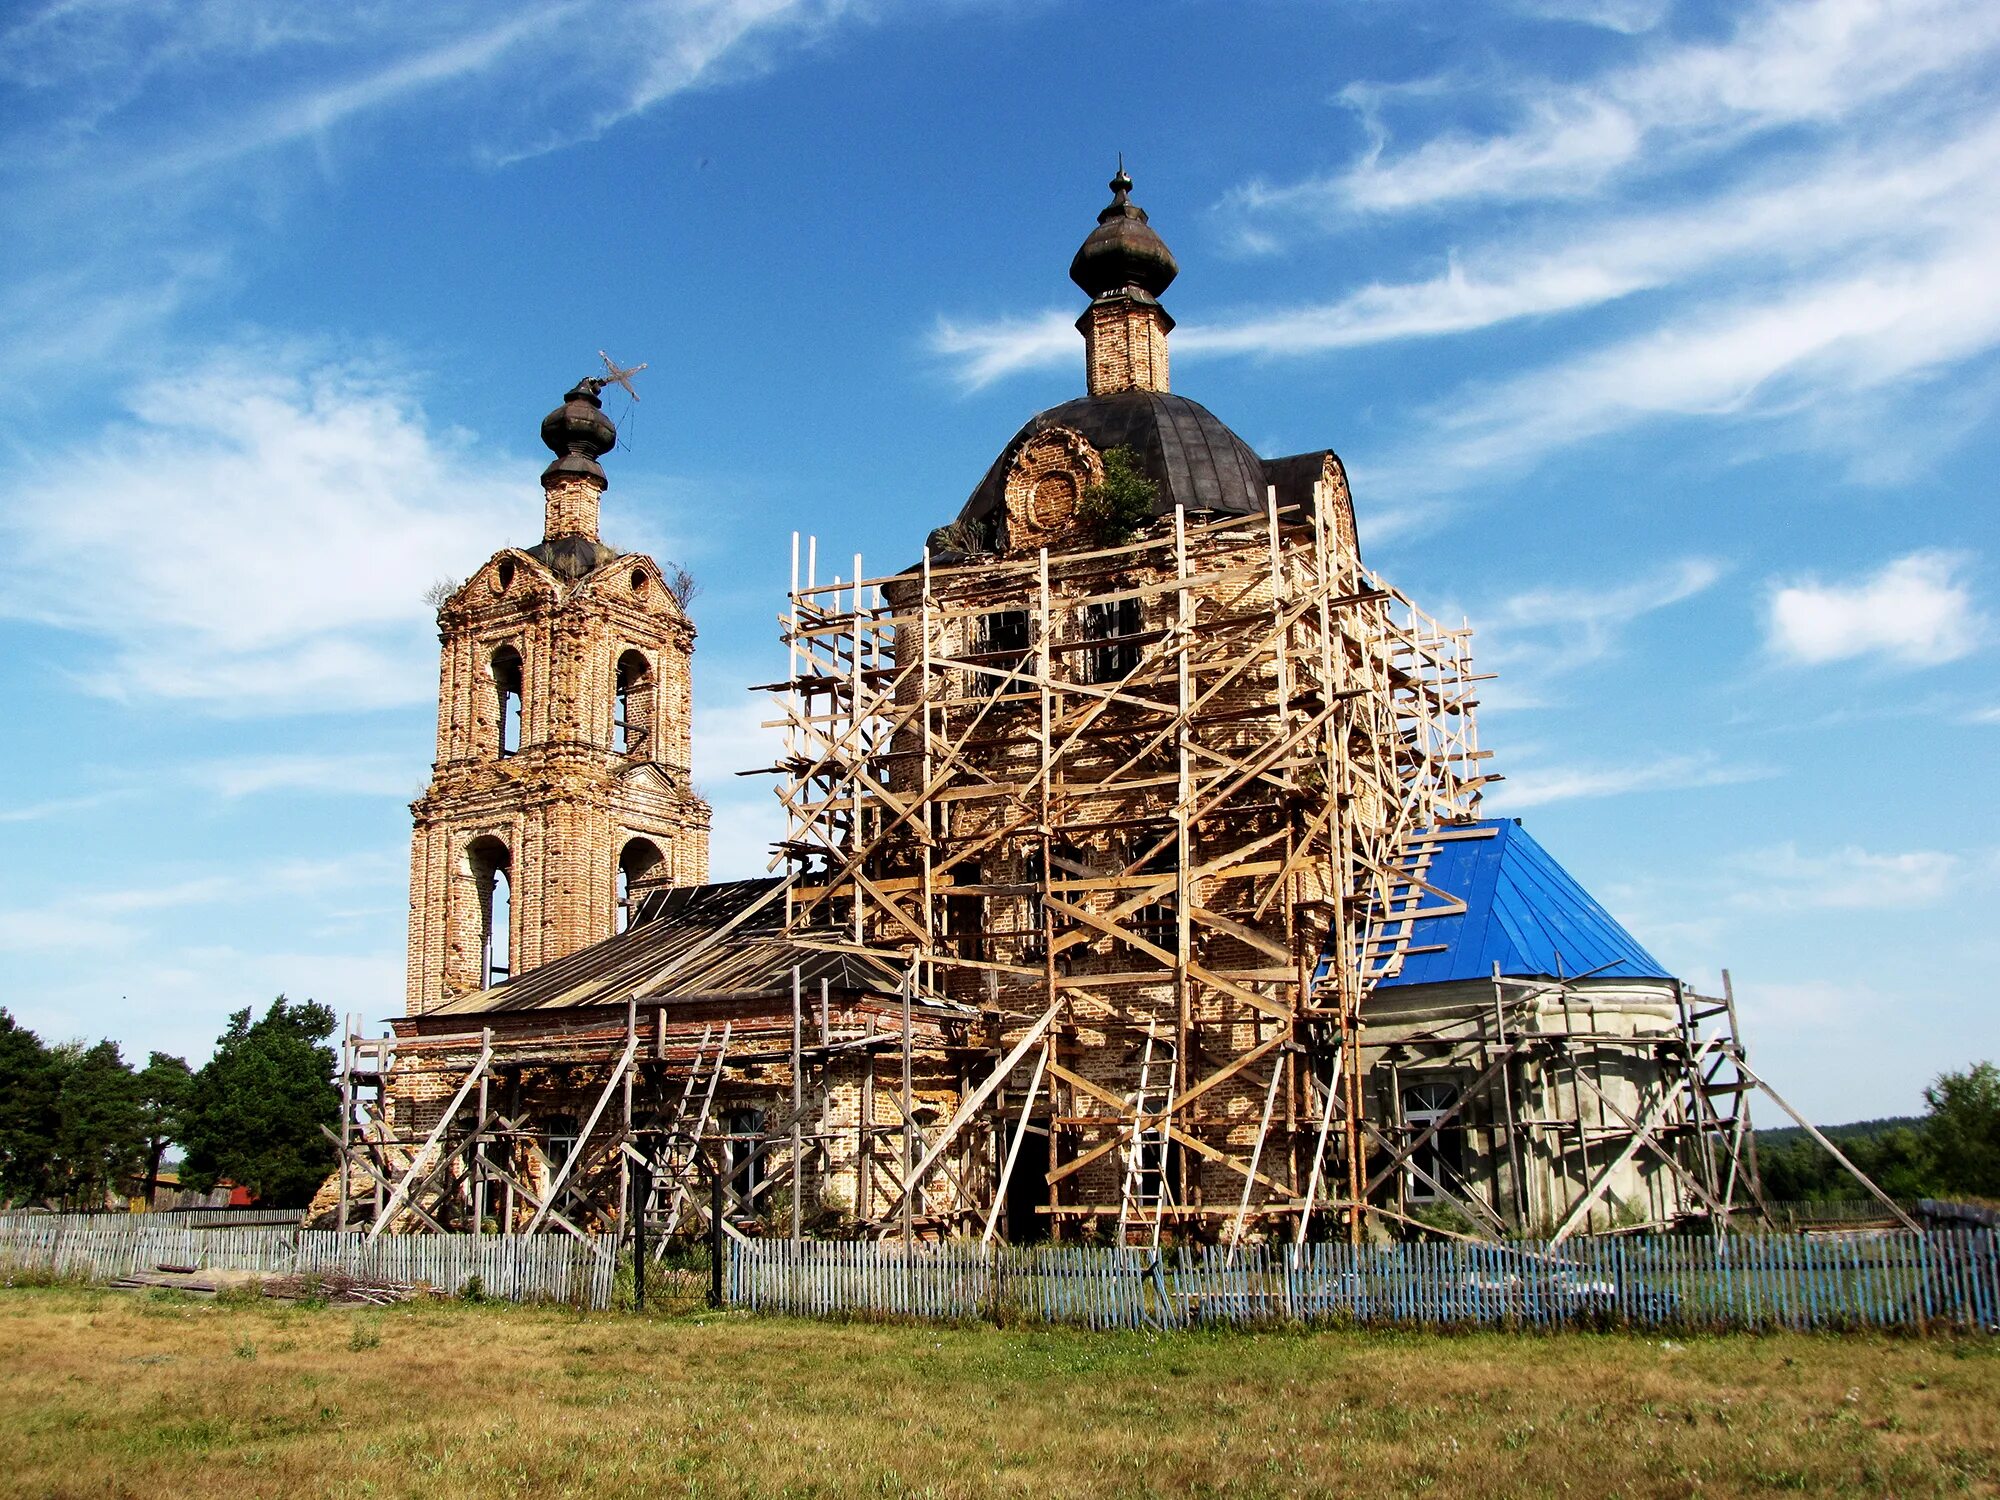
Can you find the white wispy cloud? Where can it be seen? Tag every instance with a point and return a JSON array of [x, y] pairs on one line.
[[1539, 786], [1767, 353], [1784, 878], [90, 918], [1787, 63], [364, 774], [257, 534], [1539, 638], [1628, 16], [58, 807], [1917, 610], [1884, 200]]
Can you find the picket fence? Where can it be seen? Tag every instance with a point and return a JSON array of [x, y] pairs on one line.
[[517, 1268], [179, 1218], [1945, 1279]]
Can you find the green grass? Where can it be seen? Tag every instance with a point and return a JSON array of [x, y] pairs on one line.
[[114, 1394]]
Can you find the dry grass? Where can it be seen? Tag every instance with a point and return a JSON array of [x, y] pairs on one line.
[[119, 1394]]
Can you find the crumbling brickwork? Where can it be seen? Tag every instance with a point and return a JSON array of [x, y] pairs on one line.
[[555, 770], [1125, 345]]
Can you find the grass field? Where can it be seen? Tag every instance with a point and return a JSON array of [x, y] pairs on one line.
[[106, 1393]]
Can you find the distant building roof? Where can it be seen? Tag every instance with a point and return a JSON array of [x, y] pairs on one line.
[[1522, 911]]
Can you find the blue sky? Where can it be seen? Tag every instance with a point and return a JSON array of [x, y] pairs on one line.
[[1659, 339]]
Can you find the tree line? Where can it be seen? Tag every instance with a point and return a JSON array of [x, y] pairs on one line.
[[78, 1123], [1951, 1151]]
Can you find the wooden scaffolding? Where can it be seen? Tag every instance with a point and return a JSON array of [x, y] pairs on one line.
[[1148, 807]]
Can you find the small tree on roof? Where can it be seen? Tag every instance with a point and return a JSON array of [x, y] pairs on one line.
[[1113, 509]]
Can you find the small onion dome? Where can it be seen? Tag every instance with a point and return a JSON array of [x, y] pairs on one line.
[[1123, 251], [577, 432]]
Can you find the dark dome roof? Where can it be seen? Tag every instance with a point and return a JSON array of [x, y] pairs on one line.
[[1182, 445], [1123, 250], [579, 434]]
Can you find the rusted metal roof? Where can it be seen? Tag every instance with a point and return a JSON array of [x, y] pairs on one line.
[[724, 941], [1183, 447]]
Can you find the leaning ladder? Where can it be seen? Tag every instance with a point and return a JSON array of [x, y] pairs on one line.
[[683, 1145], [1137, 1198]]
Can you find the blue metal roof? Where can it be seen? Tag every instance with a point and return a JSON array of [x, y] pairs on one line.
[[1523, 911]]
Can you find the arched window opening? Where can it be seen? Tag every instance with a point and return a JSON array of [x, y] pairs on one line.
[[506, 669], [1442, 1157], [632, 716], [492, 879], [641, 867]]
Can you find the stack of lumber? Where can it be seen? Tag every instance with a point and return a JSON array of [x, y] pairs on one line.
[[331, 1286]]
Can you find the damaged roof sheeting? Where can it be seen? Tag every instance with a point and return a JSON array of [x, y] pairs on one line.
[[704, 942]]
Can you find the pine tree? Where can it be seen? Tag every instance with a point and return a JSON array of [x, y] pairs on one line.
[[255, 1108], [99, 1138], [28, 1079], [164, 1087]]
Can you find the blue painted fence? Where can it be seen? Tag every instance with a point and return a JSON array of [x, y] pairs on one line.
[[1948, 1279]]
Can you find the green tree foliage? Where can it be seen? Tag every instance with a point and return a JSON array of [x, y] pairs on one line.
[[28, 1079], [1964, 1130], [99, 1139], [1116, 507], [1954, 1151], [256, 1106], [166, 1084]]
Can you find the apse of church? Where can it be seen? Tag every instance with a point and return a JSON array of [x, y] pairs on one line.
[[561, 792]]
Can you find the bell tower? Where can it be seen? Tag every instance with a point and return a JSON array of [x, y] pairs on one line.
[[561, 794]]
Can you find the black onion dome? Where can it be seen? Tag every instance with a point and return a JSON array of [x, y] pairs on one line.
[[1123, 250], [578, 432], [1182, 446]]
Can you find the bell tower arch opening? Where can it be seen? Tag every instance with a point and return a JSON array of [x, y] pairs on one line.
[[632, 712], [509, 688], [641, 864], [490, 865]]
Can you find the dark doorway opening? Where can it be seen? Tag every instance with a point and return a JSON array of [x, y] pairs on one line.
[[1028, 1190]]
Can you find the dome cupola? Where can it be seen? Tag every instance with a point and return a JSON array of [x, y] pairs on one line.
[[578, 433], [1123, 253], [1124, 265]]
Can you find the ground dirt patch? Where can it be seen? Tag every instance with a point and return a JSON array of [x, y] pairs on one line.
[[155, 1394]]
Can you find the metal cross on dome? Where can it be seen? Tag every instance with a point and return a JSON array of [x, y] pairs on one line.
[[622, 378]]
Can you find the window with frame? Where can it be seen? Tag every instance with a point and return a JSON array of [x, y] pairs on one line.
[[1034, 874], [743, 1167], [1002, 644], [559, 1138], [1442, 1157], [1113, 623]]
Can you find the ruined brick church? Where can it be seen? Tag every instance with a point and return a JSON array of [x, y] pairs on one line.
[[1136, 886]]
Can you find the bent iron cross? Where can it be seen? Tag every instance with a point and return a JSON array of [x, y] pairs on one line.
[[615, 376]]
